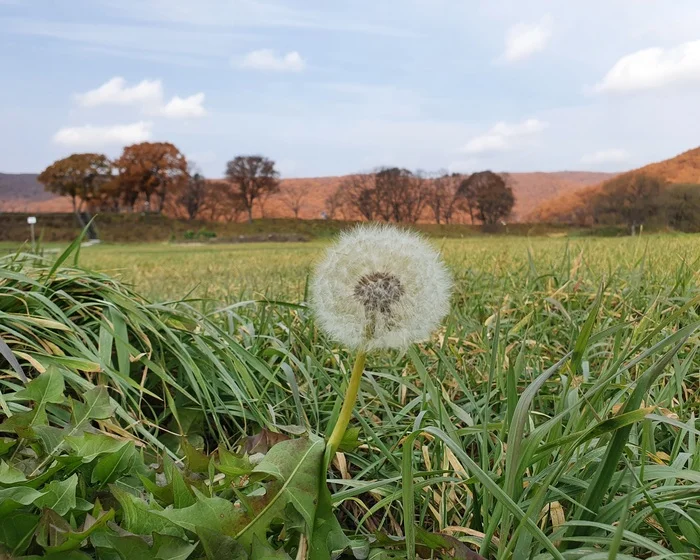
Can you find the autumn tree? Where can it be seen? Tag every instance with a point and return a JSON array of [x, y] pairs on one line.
[[193, 193], [294, 196], [152, 170], [631, 199], [79, 176], [491, 196], [252, 178], [441, 196]]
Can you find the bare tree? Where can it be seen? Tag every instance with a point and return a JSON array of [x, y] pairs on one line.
[[441, 196], [333, 203], [294, 196], [400, 194], [359, 195], [253, 177], [193, 193]]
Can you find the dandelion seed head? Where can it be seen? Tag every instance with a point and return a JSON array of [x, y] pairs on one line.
[[380, 286]]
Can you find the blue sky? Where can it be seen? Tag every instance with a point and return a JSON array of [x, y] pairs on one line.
[[326, 87]]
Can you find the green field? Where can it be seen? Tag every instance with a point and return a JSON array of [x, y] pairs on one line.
[[279, 270], [556, 407]]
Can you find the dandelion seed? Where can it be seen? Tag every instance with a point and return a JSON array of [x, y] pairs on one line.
[[380, 287]]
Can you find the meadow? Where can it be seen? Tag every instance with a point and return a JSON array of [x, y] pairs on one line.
[[554, 415]]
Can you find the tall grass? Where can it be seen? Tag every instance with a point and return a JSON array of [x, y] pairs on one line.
[[554, 416]]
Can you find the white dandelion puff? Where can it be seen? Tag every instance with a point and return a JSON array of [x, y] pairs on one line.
[[380, 287]]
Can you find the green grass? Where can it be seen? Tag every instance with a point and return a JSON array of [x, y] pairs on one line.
[[553, 416]]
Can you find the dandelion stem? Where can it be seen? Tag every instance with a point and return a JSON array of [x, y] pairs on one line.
[[348, 405]]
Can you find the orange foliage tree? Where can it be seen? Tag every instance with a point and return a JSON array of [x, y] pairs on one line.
[[79, 176], [152, 170]]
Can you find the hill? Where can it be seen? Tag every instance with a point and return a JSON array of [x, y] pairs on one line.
[[570, 206], [22, 193]]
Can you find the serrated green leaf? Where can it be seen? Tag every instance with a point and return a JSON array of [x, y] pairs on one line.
[[195, 460], [108, 468], [131, 547], [46, 388], [6, 444], [182, 494], [68, 539], [16, 497], [218, 546], [172, 548], [263, 551], [96, 406], [295, 467], [139, 518], [233, 465], [10, 475], [17, 535], [50, 437], [59, 496], [90, 446]]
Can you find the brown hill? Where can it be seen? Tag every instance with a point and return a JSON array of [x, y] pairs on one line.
[[571, 206], [22, 193]]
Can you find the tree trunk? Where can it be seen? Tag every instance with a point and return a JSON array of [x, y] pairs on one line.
[[250, 214]]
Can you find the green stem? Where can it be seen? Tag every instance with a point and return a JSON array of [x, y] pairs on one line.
[[348, 405]]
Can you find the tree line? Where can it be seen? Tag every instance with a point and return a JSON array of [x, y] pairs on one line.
[[156, 177], [634, 200]]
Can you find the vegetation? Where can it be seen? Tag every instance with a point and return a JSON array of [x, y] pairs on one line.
[[156, 177], [554, 416], [659, 195], [79, 176], [150, 171], [488, 196], [143, 227]]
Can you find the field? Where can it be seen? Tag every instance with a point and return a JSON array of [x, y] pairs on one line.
[[279, 270], [552, 416]]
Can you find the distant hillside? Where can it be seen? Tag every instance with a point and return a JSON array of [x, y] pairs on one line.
[[569, 206], [22, 193]]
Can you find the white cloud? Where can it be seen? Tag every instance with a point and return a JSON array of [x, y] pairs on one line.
[[147, 95], [267, 59], [503, 137], [116, 92], [182, 108], [606, 156], [525, 39], [654, 68], [89, 136]]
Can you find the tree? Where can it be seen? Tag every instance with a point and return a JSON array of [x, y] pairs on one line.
[[151, 169], [492, 196], [441, 196], [252, 177], [681, 206], [222, 202], [400, 194], [467, 194], [631, 199], [359, 195], [333, 203], [193, 194], [294, 196], [79, 176]]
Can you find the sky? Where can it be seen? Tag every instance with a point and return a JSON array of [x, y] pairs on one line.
[[327, 87]]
